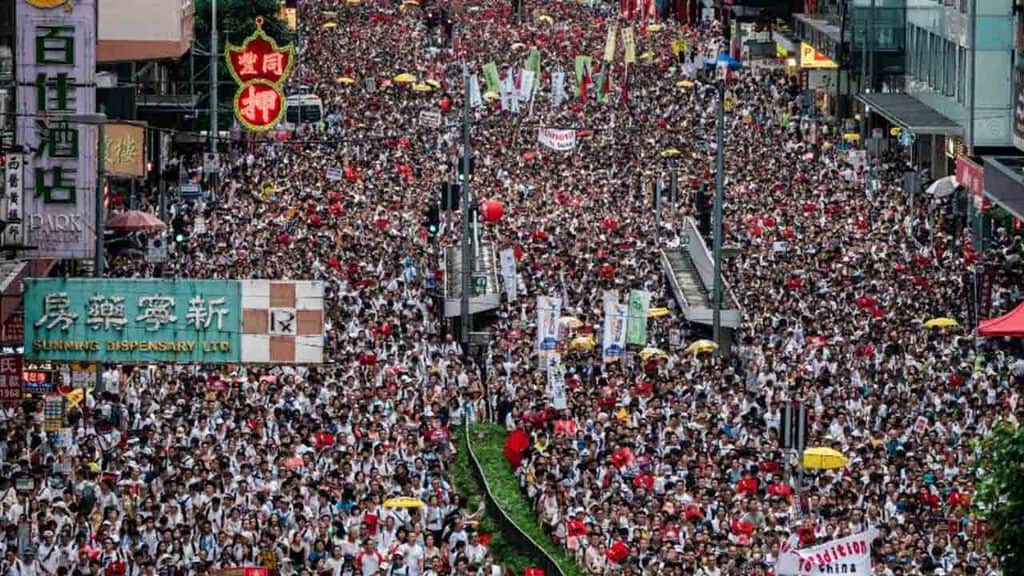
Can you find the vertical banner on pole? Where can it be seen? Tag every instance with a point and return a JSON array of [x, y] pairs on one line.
[[508, 273], [556, 381], [548, 310], [613, 343], [636, 325]]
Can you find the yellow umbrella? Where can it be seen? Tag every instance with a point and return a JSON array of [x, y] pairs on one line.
[[403, 502], [405, 78], [570, 322], [329, 25], [670, 153], [345, 80], [701, 346], [657, 312], [684, 84], [582, 343], [421, 88], [433, 82], [654, 28], [941, 323], [490, 95], [545, 18], [652, 352], [647, 56], [353, 2], [824, 459]]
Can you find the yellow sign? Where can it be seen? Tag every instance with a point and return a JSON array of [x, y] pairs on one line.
[[811, 58], [124, 150], [47, 4], [851, 137]]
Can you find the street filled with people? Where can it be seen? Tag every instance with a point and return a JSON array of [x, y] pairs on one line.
[[666, 465]]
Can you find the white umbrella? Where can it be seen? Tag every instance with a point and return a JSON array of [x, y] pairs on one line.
[[942, 187]]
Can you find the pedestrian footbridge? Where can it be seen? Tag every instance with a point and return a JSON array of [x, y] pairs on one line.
[[690, 270]]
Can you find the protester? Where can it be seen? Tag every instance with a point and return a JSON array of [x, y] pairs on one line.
[[668, 467]]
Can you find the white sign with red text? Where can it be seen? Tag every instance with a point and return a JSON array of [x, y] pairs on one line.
[[561, 140], [850, 555]]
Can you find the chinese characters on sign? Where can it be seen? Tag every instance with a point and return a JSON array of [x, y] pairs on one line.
[[123, 149], [131, 320], [55, 74], [173, 321], [260, 67], [11, 201], [10, 378]]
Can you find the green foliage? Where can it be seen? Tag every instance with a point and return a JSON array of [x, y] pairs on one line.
[[505, 553], [236, 20], [1000, 494], [488, 445]]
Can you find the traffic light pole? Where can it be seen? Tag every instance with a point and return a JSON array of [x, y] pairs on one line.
[[214, 98], [716, 297], [467, 254]]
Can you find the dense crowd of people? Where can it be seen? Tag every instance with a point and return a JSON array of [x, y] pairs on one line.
[[670, 466]]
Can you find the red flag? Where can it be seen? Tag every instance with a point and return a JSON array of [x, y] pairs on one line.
[[585, 85]]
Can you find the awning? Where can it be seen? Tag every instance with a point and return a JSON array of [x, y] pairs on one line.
[[1009, 324], [1004, 183], [910, 113]]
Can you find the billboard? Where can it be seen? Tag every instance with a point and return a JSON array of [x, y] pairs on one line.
[[173, 321], [1018, 108], [56, 69], [811, 58], [124, 149]]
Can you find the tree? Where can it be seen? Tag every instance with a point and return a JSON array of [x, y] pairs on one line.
[[1000, 494], [236, 20]]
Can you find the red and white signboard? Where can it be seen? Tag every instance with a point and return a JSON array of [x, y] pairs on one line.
[[282, 322], [10, 378]]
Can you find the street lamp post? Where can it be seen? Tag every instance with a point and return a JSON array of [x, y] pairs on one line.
[[467, 256], [717, 226], [99, 262]]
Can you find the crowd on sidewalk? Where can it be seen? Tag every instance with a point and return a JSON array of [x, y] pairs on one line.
[[664, 467]]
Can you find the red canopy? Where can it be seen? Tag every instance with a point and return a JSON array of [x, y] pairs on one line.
[[1009, 324]]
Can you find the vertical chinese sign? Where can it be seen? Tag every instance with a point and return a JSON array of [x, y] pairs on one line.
[[260, 67], [10, 378], [56, 78]]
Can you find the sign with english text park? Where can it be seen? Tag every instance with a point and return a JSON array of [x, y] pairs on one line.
[[173, 321], [261, 68]]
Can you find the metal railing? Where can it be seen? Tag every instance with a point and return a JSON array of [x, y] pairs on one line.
[[519, 538]]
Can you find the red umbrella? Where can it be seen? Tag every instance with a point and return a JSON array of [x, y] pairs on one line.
[[135, 221]]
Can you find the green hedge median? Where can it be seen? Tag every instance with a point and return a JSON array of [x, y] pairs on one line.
[[488, 446], [505, 553]]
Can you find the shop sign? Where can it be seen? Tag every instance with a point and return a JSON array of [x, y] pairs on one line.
[[970, 176], [261, 68], [811, 58], [56, 55], [173, 321]]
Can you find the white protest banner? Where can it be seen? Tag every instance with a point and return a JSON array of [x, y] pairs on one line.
[[430, 118], [850, 555], [508, 273], [613, 342], [526, 79], [556, 381], [475, 100], [334, 173], [548, 311], [555, 139], [558, 94]]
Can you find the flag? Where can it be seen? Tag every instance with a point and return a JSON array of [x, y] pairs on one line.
[[629, 44], [533, 62], [585, 86], [582, 68], [491, 77], [625, 85], [609, 44], [475, 101]]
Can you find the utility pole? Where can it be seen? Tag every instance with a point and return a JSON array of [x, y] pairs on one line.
[[467, 248], [717, 225], [214, 77]]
